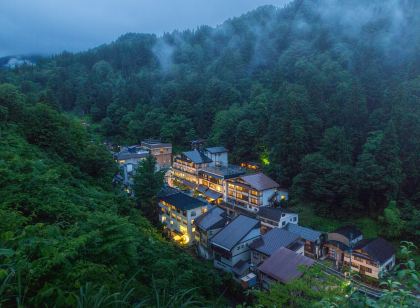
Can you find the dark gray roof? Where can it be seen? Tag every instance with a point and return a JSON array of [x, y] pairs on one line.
[[215, 218], [215, 150], [182, 201], [283, 265], [224, 172], [240, 267], [232, 234], [197, 157], [378, 249], [272, 213], [213, 194], [350, 232], [273, 240], [305, 233]]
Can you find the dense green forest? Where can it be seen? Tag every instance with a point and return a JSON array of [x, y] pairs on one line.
[[326, 93], [65, 235]]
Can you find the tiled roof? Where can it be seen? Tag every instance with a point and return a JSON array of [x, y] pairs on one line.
[[273, 240], [283, 265], [259, 181], [272, 213], [182, 201], [215, 150], [230, 235], [378, 249], [197, 157], [305, 233], [213, 219]]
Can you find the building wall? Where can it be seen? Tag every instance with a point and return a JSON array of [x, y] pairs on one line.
[[202, 237], [367, 267], [288, 219], [266, 195], [241, 251], [180, 221]]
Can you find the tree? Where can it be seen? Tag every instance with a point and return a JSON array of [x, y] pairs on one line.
[[314, 286], [147, 184], [391, 223]]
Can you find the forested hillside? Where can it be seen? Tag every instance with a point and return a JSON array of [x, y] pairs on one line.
[[325, 93], [66, 238]]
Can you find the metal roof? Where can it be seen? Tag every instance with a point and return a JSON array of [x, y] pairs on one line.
[[182, 201], [273, 240], [197, 157], [232, 234], [305, 233], [259, 181], [272, 213], [224, 172], [283, 265], [214, 218]]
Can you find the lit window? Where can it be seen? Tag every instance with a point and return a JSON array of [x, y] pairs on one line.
[[193, 229], [172, 222]]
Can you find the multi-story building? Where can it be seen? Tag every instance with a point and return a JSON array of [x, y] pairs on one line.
[[253, 191], [231, 245], [213, 181], [275, 218], [162, 152], [218, 156], [339, 241], [178, 212], [371, 257], [206, 227], [186, 166], [313, 239]]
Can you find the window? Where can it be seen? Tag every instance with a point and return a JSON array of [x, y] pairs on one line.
[[193, 229], [294, 218], [283, 223], [193, 213]]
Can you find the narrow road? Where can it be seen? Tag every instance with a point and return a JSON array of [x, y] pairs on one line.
[[361, 287]]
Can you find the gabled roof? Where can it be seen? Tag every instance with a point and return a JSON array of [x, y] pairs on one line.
[[273, 240], [283, 265], [259, 181], [305, 233], [377, 248], [213, 219], [216, 150], [350, 232], [197, 157], [234, 232], [182, 201], [272, 213]]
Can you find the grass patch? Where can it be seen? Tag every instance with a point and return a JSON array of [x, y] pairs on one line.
[[308, 218]]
